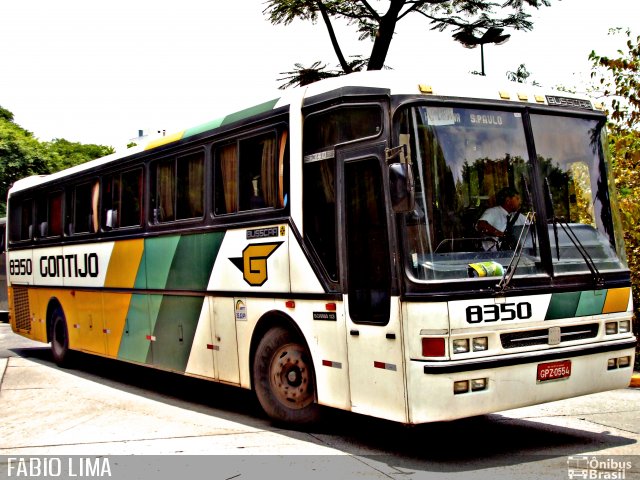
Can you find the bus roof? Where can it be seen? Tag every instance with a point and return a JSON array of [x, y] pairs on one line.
[[440, 84]]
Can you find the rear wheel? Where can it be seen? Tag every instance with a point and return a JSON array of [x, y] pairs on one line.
[[283, 376], [60, 339]]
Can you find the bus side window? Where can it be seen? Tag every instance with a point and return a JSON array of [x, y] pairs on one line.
[[258, 172], [49, 215], [163, 187], [85, 208], [110, 201], [177, 188], [122, 200], [130, 206], [249, 174], [21, 214], [190, 186], [226, 179]]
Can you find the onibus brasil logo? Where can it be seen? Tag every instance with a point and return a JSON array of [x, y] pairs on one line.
[[253, 263]]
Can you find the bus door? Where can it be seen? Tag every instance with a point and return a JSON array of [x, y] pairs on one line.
[[374, 339]]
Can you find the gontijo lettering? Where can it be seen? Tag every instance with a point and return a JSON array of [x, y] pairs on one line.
[[72, 265]]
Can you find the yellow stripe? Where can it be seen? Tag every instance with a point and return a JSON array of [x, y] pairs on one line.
[[116, 306], [124, 263], [617, 300], [174, 137]]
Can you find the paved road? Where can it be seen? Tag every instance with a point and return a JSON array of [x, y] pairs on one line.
[[103, 407]]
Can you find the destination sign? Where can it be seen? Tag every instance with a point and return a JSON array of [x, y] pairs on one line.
[[471, 118]]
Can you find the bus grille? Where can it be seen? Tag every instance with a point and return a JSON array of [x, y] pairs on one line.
[[541, 337], [21, 308]]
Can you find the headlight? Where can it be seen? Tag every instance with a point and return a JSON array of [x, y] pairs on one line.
[[480, 344], [461, 345]]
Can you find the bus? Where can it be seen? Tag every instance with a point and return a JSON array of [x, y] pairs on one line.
[[4, 296], [321, 248]]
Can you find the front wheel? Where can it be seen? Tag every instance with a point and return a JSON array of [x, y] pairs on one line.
[[60, 339], [283, 376]]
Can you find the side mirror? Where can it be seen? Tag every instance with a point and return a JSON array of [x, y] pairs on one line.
[[401, 187]]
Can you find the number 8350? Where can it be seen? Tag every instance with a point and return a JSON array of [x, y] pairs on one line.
[[498, 312]]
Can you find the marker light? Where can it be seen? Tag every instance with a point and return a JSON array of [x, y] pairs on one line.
[[433, 347], [480, 344], [461, 386], [478, 384], [624, 362]]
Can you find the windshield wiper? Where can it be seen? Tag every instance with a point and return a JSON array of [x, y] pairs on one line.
[[597, 276], [517, 254]]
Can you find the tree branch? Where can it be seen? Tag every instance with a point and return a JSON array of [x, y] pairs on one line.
[[371, 10], [332, 35]]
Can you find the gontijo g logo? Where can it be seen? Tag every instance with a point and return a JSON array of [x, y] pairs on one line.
[[253, 263]]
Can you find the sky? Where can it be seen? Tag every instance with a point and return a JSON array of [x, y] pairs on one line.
[[98, 71]]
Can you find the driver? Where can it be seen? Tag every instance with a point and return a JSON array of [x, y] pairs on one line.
[[497, 222]]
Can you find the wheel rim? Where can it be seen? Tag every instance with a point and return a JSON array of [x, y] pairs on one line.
[[290, 376]]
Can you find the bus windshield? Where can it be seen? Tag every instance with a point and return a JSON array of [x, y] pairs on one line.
[[475, 178]]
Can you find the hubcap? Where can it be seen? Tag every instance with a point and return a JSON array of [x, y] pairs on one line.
[[290, 376]]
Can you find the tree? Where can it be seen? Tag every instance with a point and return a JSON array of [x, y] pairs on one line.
[[618, 79], [21, 155], [66, 154], [466, 19]]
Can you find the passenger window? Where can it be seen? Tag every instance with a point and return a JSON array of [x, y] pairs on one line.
[[249, 174], [226, 179], [177, 187], [21, 227], [49, 215], [190, 187], [85, 208], [122, 200]]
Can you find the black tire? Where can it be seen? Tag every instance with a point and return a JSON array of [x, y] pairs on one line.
[[284, 380], [60, 339]]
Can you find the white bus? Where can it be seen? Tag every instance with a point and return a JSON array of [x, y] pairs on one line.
[[325, 248]]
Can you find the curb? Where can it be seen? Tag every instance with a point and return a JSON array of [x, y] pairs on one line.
[[635, 380]]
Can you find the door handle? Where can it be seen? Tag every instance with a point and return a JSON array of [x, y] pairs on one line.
[[354, 333]]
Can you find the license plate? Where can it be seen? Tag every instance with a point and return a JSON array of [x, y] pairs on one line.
[[554, 370]]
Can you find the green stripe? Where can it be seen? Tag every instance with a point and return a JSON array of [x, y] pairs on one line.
[[134, 345], [591, 303], [203, 128], [193, 261], [248, 112], [177, 263], [563, 305], [174, 331], [158, 256]]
